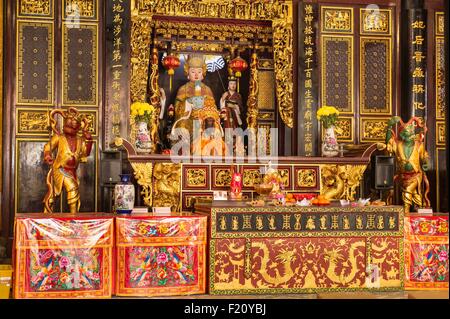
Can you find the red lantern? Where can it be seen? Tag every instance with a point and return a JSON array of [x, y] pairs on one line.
[[238, 65], [170, 63]]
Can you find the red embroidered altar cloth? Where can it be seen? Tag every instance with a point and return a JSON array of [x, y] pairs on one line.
[[63, 256], [160, 256]]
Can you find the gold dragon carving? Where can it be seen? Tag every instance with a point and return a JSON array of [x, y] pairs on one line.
[[278, 11], [341, 181], [285, 257], [155, 100], [143, 175], [282, 45], [333, 256], [167, 182], [252, 101], [140, 57]]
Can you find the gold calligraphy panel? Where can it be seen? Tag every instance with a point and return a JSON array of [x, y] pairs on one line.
[[40, 9], [34, 58], [440, 78], [373, 129], [337, 19], [376, 21], [80, 9], [440, 23], [440, 133], [337, 72], [376, 76], [80, 74], [344, 129], [32, 121]]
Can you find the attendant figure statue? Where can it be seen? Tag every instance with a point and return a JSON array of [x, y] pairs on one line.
[[194, 99], [412, 160], [231, 106], [71, 149]]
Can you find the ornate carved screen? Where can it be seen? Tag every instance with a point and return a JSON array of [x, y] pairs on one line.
[[278, 12]]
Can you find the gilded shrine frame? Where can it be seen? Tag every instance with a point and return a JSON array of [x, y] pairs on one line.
[[279, 12]]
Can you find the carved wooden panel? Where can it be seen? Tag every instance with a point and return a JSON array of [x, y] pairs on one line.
[[195, 177], [377, 21], [375, 76], [80, 9], [337, 19], [36, 9], [34, 59], [32, 121], [221, 177], [306, 178], [80, 74], [344, 129], [373, 129], [337, 72], [251, 176]]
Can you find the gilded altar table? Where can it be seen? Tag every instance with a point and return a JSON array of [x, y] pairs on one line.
[[63, 256], [273, 249], [160, 256], [426, 251], [176, 181]]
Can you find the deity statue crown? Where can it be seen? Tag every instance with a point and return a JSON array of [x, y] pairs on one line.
[[195, 61]]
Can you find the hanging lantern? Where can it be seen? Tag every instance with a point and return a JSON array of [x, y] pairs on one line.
[[170, 63], [238, 65]]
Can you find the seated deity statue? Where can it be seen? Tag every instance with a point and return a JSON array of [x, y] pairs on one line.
[[194, 99]]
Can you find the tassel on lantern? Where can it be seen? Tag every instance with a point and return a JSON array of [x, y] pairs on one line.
[[170, 63]]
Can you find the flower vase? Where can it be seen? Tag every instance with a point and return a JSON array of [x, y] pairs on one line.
[[124, 195], [143, 142], [330, 145]]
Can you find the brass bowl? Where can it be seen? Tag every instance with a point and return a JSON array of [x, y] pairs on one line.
[[263, 189]]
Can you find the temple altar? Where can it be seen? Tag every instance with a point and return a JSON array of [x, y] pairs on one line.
[[223, 147], [270, 249], [176, 181]]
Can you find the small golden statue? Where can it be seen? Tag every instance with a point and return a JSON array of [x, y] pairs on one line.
[[72, 148], [412, 160]]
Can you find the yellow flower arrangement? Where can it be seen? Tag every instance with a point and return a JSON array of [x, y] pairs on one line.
[[142, 112], [328, 115]]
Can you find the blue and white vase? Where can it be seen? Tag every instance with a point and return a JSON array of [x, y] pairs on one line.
[[124, 195]]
